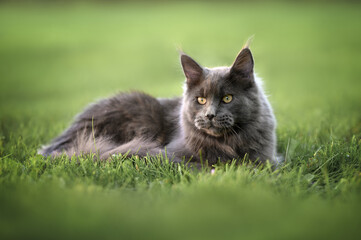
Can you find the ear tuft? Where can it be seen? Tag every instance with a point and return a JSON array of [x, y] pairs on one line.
[[248, 42], [192, 70]]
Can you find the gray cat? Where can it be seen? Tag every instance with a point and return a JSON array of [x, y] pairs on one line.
[[223, 115]]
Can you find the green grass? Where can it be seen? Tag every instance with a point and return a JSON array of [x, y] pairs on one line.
[[55, 59]]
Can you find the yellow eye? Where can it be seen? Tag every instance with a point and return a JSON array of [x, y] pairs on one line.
[[227, 98], [202, 100]]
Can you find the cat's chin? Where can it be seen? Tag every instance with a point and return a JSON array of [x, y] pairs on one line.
[[213, 131]]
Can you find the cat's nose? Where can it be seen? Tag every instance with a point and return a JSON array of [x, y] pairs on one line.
[[210, 116]]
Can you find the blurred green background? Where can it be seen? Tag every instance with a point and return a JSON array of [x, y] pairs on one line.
[[56, 57]]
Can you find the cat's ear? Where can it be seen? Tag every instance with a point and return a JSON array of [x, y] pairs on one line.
[[243, 64], [242, 69], [192, 70]]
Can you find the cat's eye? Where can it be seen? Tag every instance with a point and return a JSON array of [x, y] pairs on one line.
[[227, 98], [202, 100]]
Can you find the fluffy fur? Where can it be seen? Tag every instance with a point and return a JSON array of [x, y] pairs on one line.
[[138, 124]]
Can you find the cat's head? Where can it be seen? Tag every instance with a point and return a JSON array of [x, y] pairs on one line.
[[219, 101]]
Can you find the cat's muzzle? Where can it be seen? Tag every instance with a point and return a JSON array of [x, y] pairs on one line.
[[217, 126]]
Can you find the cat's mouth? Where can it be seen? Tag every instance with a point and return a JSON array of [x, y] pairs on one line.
[[213, 128], [214, 131]]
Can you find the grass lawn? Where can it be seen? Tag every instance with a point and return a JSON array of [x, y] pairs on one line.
[[55, 59]]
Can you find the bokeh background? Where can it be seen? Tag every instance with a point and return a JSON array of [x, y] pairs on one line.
[[58, 56]]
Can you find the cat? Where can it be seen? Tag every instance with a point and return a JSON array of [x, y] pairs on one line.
[[222, 115]]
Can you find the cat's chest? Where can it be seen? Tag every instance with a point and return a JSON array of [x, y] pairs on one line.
[[230, 147]]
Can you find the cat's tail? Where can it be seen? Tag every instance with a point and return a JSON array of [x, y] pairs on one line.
[[102, 147], [79, 143]]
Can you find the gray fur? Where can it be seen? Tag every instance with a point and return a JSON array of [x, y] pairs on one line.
[[138, 124]]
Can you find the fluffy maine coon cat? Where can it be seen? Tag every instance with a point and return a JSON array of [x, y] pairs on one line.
[[223, 115]]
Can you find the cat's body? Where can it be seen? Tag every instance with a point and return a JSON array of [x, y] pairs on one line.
[[222, 115]]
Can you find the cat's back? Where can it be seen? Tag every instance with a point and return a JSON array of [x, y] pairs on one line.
[[147, 116], [132, 114]]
